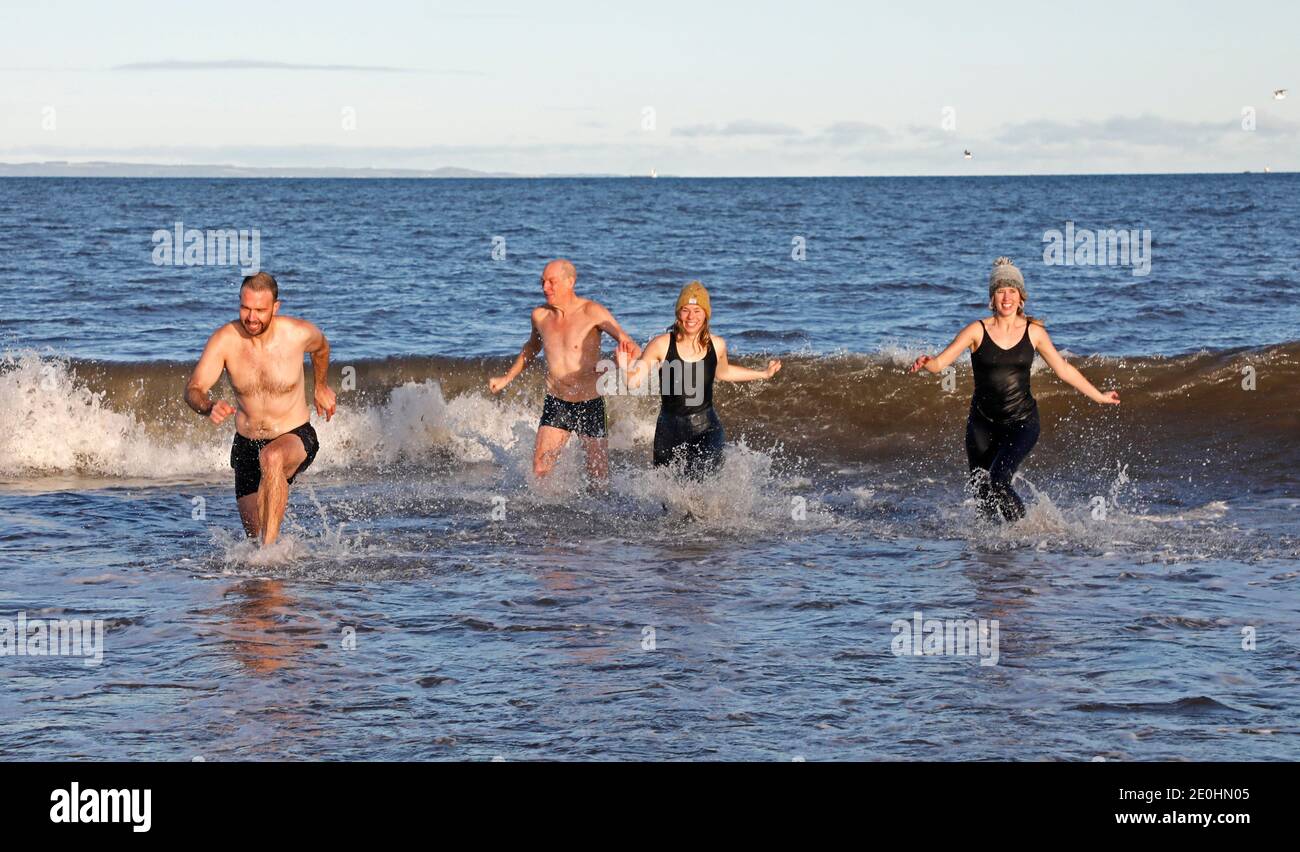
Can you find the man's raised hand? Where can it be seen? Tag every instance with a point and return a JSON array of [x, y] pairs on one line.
[[325, 400], [628, 347], [220, 411]]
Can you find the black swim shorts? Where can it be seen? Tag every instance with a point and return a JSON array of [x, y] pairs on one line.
[[245, 458], [582, 418]]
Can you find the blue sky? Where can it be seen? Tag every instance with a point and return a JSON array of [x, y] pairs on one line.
[[744, 88]]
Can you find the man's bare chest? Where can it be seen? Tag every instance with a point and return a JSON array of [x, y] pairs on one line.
[[568, 335], [265, 373]]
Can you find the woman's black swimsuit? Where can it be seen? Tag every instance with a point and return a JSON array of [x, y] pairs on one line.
[[1003, 424], [688, 430]]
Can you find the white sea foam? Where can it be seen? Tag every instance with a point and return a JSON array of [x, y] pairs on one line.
[[416, 423], [51, 422], [747, 493], [1071, 523]]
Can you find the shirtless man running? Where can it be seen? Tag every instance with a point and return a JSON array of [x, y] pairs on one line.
[[262, 352], [568, 329]]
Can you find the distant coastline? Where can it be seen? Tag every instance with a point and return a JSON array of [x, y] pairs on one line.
[[110, 169], [103, 168]]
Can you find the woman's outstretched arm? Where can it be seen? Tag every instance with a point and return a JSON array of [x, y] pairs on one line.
[[729, 372], [965, 339], [1067, 371]]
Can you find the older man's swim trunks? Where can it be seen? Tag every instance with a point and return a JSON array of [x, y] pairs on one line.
[[582, 418]]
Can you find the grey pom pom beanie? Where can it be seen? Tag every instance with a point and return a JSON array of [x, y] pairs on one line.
[[1005, 274]]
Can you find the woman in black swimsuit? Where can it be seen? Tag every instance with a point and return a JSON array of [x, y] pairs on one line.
[[1003, 423], [688, 359]]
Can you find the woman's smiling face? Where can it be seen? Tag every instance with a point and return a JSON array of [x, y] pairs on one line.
[[691, 318], [1006, 301]]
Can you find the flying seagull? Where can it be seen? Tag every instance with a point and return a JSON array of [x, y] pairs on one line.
[[1279, 94], [967, 154]]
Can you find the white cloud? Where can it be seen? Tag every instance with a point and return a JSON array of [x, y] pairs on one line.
[[743, 127], [263, 65]]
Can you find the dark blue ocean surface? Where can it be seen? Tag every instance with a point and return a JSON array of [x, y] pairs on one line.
[[431, 600], [400, 267]]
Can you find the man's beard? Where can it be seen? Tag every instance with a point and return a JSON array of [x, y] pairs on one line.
[[257, 333]]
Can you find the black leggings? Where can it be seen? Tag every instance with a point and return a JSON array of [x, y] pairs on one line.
[[995, 451], [695, 441]]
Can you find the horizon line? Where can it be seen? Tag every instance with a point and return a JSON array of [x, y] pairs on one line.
[[250, 173]]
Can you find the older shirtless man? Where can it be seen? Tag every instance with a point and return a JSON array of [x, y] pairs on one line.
[[274, 439], [567, 328]]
